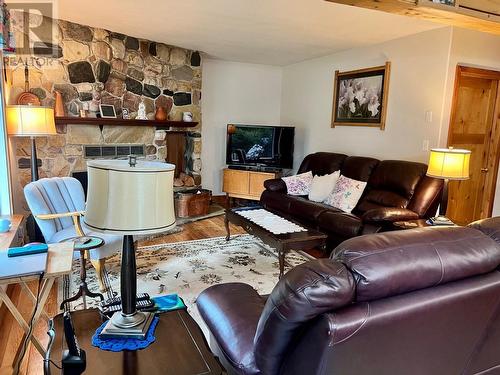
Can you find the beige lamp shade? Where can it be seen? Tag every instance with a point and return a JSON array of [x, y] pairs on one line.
[[30, 120], [130, 200], [449, 163]]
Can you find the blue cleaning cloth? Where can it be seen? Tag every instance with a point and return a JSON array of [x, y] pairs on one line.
[[118, 345], [168, 302]]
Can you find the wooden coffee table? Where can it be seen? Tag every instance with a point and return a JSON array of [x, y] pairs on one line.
[[281, 242], [180, 348]]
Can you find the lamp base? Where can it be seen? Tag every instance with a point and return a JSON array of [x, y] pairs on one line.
[[121, 326]]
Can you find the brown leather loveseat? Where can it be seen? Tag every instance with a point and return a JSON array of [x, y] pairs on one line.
[[396, 190], [421, 301]]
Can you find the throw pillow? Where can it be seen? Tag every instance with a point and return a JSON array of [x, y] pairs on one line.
[[299, 184], [322, 186], [346, 194]]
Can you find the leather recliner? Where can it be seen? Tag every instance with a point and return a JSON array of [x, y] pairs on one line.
[[421, 301], [396, 190]]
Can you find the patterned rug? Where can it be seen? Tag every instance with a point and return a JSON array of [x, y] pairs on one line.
[[187, 268]]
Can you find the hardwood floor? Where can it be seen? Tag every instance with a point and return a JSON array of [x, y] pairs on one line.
[[11, 333]]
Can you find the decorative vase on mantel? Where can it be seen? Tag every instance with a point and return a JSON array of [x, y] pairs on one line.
[[58, 105], [161, 114]]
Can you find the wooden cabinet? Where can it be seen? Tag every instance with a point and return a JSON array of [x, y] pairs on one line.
[[245, 184]]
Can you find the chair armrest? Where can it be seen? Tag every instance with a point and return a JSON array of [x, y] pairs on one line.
[[74, 215], [57, 216], [388, 214], [276, 185]]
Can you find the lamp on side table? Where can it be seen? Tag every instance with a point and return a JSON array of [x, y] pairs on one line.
[[129, 198], [447, 164]]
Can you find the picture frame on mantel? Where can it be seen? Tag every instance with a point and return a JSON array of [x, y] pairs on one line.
[[360, 97]]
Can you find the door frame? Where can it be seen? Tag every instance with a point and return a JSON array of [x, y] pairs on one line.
[[467, 71]]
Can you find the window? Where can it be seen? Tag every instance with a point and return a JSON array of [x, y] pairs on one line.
[[5, 206]]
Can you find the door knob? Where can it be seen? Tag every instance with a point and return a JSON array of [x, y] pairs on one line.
[[484, 170]]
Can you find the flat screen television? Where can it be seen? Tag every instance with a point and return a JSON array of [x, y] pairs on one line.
[[260, 146]]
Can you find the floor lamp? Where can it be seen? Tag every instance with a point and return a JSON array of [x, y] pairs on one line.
[[447, 164], [129, 198], [30, 121]]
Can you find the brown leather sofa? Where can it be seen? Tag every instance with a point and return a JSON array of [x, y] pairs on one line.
[[396, 190], [421, 301]]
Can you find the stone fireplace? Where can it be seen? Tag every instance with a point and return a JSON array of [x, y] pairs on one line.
[[129, 70]]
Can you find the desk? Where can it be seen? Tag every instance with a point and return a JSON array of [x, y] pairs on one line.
[[180, 348], [59, 262]]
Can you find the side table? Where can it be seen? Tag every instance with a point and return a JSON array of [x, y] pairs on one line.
[[83, 244], [417, 223], [411, 224], [180, 348]]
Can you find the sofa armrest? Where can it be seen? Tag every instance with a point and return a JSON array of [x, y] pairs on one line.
[[388, 214], [276, 185], [232, 311]]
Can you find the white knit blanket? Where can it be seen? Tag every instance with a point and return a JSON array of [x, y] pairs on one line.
[[271, 222]]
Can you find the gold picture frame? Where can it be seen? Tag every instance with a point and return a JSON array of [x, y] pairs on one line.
[[360, 97]]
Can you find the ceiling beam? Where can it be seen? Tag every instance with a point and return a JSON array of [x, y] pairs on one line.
[[481, 15]]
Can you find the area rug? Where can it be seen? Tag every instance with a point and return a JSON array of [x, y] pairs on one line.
[[187, 268]]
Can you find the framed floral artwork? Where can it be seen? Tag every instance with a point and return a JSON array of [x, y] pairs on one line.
[[360, 97]]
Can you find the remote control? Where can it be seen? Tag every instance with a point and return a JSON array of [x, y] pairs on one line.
[[117, 300], [144, 304]]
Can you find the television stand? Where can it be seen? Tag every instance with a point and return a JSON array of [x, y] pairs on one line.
[[255, 168], [246, 184]]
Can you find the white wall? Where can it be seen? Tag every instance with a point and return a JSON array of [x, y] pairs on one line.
[[481, 50], [234, 93], [422, 79], [417, 84]]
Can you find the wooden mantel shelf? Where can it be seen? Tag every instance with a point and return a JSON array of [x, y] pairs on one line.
[[122, 122]]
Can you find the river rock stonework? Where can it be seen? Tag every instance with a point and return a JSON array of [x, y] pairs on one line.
[[128, 69]]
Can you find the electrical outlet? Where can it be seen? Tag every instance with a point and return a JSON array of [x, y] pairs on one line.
[[425, 145], [428, 116]]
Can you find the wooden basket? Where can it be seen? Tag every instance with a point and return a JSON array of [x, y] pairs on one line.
[[193, 202]]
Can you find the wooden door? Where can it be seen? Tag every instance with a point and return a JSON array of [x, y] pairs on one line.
[[475, 126]]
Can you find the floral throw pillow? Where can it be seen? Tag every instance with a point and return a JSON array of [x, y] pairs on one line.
[[299, 184], [346, 194]]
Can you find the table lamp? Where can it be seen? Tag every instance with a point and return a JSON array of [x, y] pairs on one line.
[[30, 121], [448, 164], [129, 197]]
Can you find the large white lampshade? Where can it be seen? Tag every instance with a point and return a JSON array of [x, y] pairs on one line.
[[130, 200]]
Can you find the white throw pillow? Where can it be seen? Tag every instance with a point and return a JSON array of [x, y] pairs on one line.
[[299, 184], [322, 186], [346, 194]]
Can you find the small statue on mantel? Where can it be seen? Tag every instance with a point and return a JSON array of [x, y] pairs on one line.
[[96, 99], [141, 113]]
